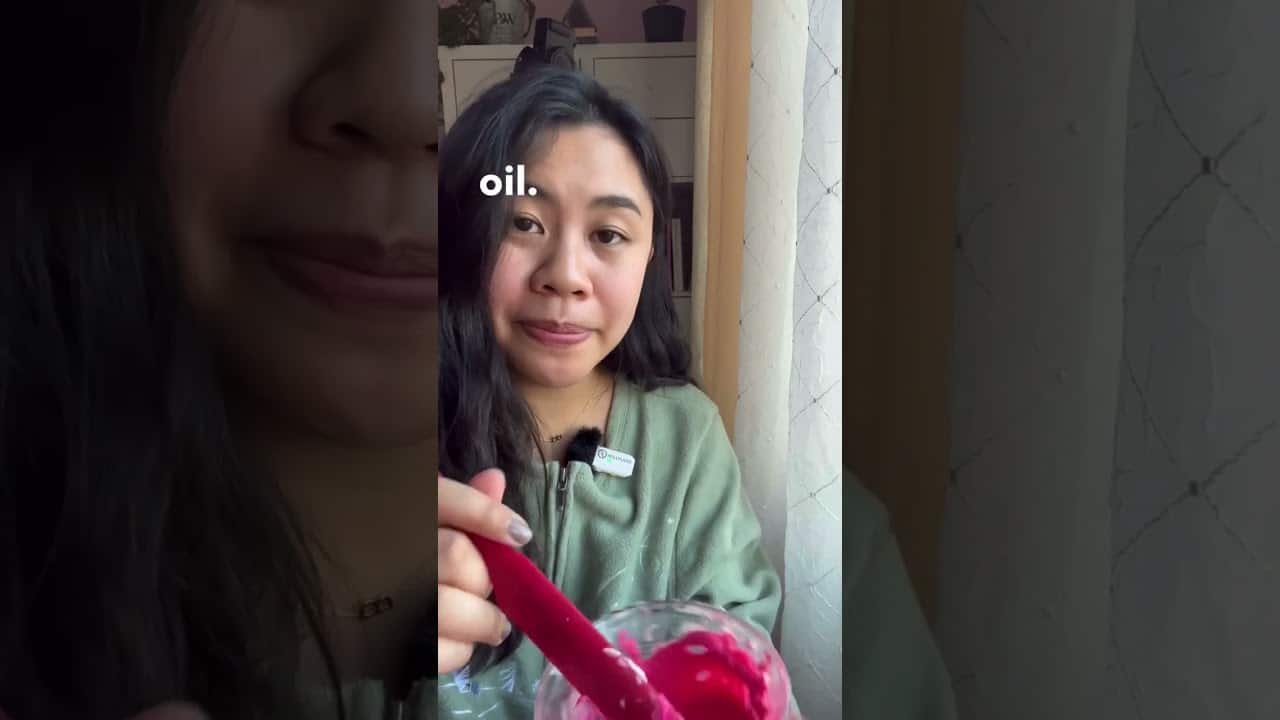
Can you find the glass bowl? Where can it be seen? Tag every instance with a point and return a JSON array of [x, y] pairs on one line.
[[654, 624]]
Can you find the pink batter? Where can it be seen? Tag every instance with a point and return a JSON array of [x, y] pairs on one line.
[[705, 675]]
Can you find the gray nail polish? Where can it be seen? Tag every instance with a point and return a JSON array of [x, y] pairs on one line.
[[519, 531]]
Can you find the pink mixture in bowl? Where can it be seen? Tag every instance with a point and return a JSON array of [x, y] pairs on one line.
[[707, 663]]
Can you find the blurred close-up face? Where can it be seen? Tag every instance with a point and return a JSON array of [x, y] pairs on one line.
[[568, 277], [303, 156]]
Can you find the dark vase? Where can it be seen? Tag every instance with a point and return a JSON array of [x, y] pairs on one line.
[[663, 23]]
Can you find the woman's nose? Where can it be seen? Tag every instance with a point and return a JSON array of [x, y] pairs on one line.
[[379, 93], [563, 271]]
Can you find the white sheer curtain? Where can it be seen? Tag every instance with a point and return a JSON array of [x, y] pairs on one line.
[[1109, 541], [787, 428]]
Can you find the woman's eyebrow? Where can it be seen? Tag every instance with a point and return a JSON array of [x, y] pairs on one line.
[[616, 201], [609, 201]]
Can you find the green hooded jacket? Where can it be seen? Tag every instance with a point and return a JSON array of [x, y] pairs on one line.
[[681, 528]]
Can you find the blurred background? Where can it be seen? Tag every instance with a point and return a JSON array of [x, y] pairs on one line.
[[1079, 200]]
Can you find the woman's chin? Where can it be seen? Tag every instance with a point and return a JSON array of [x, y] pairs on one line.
[[371, 415], [380, 430], [380, 417], [557, 375]]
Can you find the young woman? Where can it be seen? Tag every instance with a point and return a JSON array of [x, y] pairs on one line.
[[218, 340], [556, 315]]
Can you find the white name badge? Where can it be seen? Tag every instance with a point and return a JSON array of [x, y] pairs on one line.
[[613, 462]]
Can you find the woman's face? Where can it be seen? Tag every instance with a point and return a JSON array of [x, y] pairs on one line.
[[568, 277], [304, 180]]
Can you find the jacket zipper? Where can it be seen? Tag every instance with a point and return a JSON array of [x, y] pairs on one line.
[[557, 550], [562, 489]]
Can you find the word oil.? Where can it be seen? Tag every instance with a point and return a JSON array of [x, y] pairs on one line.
[[509, 185]]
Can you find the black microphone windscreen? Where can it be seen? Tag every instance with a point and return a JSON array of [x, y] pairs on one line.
[[583, 446]]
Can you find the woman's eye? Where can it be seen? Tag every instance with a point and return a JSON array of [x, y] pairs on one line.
[[525, 224], [609, 237]]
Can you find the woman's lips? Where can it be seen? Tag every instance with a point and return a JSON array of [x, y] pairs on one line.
[[339, 283], [557, 335]]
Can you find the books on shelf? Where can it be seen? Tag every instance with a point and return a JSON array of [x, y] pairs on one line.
[[681, 238], [677, 258]]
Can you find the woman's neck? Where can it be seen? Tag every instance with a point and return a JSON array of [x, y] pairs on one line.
[[367, 508], [368, 515], [561, 412]]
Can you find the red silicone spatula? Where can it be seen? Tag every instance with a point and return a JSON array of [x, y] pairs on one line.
[[567, 638]]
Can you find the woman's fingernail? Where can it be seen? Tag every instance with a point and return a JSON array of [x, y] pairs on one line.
[[506, 632], [519, 531]]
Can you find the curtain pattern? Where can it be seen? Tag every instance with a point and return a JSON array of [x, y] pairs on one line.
[[1194, 593], [813, 612], [787, 428], [1110, 542], [1023, 607]]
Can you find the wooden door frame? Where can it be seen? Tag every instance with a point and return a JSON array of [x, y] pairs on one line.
[[720, 171], [905, 58]]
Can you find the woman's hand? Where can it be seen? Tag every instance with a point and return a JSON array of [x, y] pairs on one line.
[[465, 617]]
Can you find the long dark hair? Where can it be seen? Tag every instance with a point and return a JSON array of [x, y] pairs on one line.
[[484, 422], [142, 559]]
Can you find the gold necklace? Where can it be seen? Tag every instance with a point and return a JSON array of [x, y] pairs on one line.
[[560, 436], [364, 609], [369, 608]]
